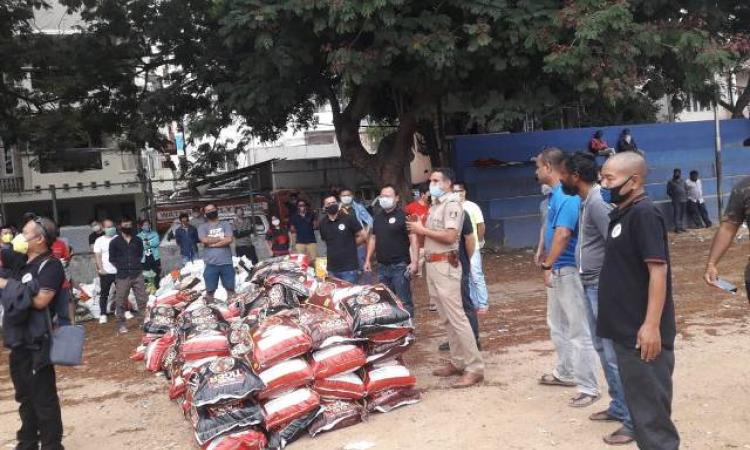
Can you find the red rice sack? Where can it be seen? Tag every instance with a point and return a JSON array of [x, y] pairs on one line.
[[290, 406], [375, 309], [338, 359], [273, 299], [204, 346], [173, 298], [139, 354], [336, 414], [277, 339], [390, 399], [177, 387], [285, 376], [292, 431], [382, 352], [330, 293], [212, 421], [222, 380], [346, 386], [321, 324], [250, 439], [157, 350], [301, 282], [388, 376]]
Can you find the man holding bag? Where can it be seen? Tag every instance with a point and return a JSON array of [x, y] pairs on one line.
[[30, 303]]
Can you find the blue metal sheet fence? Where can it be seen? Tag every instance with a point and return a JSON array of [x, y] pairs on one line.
[[509, 196]]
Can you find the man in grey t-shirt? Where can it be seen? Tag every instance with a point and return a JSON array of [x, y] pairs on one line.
[[217, 238], [579, 175]]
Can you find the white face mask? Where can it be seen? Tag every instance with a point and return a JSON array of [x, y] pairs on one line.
[[386, 202], [275, 223], [347, 199]]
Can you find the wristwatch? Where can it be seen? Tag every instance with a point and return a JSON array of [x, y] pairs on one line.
[[545, 266]]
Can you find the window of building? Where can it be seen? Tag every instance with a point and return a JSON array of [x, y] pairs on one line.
[[10, 160], [70, 160], [128, 162]]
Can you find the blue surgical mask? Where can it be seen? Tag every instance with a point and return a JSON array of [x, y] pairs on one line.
[[606, 195], [436, 191]]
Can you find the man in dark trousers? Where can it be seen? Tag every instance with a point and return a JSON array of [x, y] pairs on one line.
[[31, 371], [635, 302], [342, 233], [396, 249], [677, 192], [126, 254]]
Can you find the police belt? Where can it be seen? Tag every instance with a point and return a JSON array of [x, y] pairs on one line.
[[450, 257]]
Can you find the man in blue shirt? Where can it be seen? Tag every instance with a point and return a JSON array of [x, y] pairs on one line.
[[566, 308], [186, 236]]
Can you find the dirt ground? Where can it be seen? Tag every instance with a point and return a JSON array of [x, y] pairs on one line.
[[113, 401]]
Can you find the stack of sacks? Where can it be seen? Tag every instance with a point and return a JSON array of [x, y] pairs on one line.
[[289, 355]]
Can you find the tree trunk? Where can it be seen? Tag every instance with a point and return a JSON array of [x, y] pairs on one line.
[[738, 111]]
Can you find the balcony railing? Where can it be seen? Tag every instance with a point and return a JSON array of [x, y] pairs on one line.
[[13, 184]]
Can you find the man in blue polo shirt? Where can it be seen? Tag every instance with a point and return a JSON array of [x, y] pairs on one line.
[[566, 310]]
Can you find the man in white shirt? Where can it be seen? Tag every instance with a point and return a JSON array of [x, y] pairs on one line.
[[477, 284], [104, 268], [696, 205]]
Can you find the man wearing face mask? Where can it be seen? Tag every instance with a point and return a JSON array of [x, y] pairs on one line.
[[677, 193], [578, 177], [217, 237], [357, 210], [444, 279], [303, 224], [126, 254], [96, 233], [244, 230], [151, 253], [104, 267], [566, 308], [636, 310], [396, 249], [277, 238], [342, 233], [6, 236], [34, 297]]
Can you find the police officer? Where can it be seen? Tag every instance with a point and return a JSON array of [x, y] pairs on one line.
[[444, 279]]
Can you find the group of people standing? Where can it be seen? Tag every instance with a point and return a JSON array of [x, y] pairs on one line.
[[604, 253], [687, 196]]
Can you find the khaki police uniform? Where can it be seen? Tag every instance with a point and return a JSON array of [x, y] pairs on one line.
[[444, 285]]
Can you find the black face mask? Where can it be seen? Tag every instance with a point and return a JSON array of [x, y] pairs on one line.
[[615, 193], [127, 231], [332, 209], [569, 190], [213, 215]]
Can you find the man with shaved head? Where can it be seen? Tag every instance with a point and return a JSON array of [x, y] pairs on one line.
[[635, 301]]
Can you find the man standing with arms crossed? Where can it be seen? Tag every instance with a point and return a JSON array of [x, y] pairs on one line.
[[217, 237], [567, 310], [635, 302], [579, 175], [444, 279]]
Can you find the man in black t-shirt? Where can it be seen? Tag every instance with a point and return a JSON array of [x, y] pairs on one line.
[[636, 310], [342, 233], [397, 250], [736, 213], [32, 373]]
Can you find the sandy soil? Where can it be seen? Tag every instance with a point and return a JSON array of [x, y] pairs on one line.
[[113, 401]]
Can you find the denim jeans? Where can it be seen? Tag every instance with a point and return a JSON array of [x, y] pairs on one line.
[[213, 272], [393, 276], [573, 338], [477, 285], [617, 407], [348, 275]]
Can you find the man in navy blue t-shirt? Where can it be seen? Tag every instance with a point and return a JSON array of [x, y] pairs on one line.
[[566, 308]]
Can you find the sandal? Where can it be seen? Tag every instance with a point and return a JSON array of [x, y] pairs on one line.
[[549, 379], [620, 437], [583, 400], [604, 416]]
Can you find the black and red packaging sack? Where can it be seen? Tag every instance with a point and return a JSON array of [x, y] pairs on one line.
[[338, 359], [292, 431], [322, 324], [388, 376], [159, 320], [346, 386], [336, 414], [382, 352], [157, 350], [250, 439], [277, 339], [375, 309], [290, 406], [224, 380], [390, 399], [212, 421], [285, 376], [204, 345]]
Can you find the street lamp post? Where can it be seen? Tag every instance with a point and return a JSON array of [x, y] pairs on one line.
[[717, 154]]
